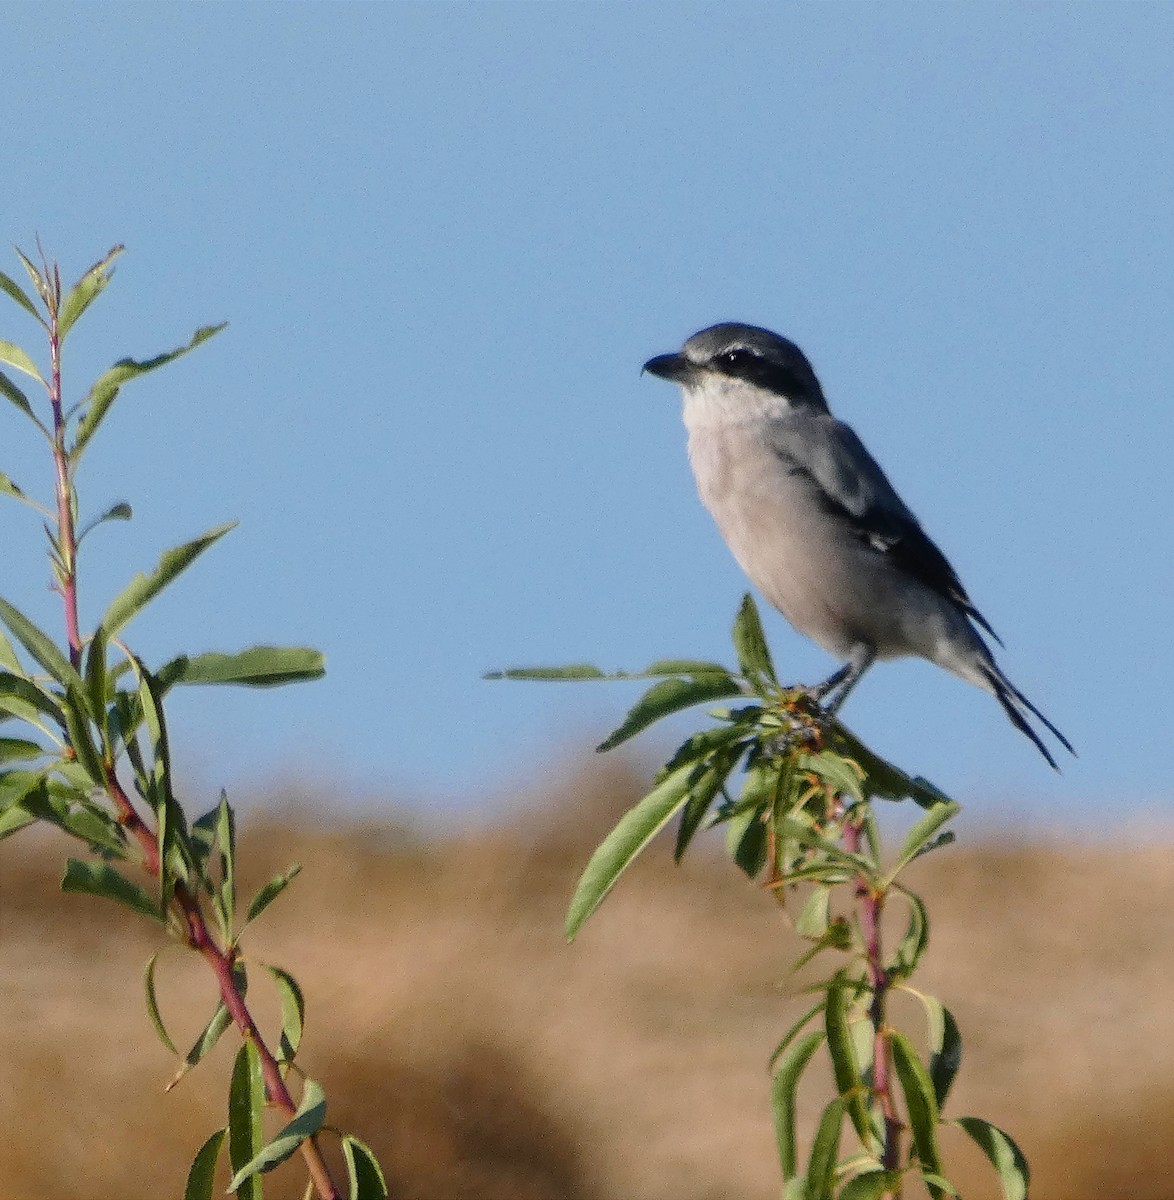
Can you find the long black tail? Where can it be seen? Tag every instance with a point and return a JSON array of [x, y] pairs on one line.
[[1014, 704]]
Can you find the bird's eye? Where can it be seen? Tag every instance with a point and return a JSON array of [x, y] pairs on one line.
[[736, 357]]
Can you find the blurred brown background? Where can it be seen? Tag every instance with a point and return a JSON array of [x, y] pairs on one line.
[[483, 1058]]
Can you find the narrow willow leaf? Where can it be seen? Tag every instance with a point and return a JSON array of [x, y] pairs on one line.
[[845, 1064], [310, 1115], [813, 919], [226, 841], [784, 1086], [28, 702], [80, 736], [96, 679], [700, 746], [1005, 1156], [8, 488], [293, 1012], [701, 796], [259, 666], [101, 879], [209, 1036], [746, 841], [825, 1151], [202, 1176], [550, 674], [363, 1171], [17, 749], [144, 588], [682, 666], [635, 830], [9, 285], [246, 1104], [945, 1049], [13, 819], [42, 647], [270, 891], [102, 395], [667, 697], [913, 945], [794, 1032], [750, 642], [14, 356], [920, 1103], [116, 512], [153, 1006], [8, 660], [85, 291], [872, 1185], [882, 779], [841, 775], [923, 832], [13, 393]]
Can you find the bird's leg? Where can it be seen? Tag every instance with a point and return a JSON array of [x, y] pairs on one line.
[[845, 679]]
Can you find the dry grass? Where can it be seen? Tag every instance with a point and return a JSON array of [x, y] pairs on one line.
[[484, 1059]]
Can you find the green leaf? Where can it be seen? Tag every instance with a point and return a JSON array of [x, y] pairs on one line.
[[83, 293], [923, 833], [945, 1048], [812, 922], [750, 642], [226, 841], [635, 830], [682, 666], [18, 294], [838, 773], [22, 402], [1004, 1154], [270, 891], [209, 1036], [310, 1115], [920, 1103], [202, 1176], [25, 700], [101, 879], [913, 945], [293, 1012], [144, 588], [176, 852], [701, 746], [42, 648], [746, 841], [871, 1185], [116, 512], [102, 395], [14, 356], [845, 1064], [794, 1031], [363, 1171], [666, 697], [246, 1104], [8, 659], [153, 1006], [39, 281], [701, 796], [576, 671], [17, 749], [784, 1086], [259, 666], [825, 1151], [80, 736]]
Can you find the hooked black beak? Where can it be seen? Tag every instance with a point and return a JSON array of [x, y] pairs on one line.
[[670, 366]]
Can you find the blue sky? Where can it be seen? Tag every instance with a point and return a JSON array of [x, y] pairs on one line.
[[447, 236]]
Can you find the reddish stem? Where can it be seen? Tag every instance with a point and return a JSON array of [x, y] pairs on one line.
[[871, 904]]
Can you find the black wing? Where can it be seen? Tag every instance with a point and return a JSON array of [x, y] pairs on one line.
[[852, 487]]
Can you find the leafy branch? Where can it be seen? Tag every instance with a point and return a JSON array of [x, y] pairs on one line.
[[795, 792], [97, 766]]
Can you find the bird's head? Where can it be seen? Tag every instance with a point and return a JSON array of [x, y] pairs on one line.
[[737, 365]]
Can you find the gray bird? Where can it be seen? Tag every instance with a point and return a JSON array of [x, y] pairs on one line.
[[816, 525]]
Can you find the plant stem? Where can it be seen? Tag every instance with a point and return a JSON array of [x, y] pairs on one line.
[[871, 906], [197, 933]]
